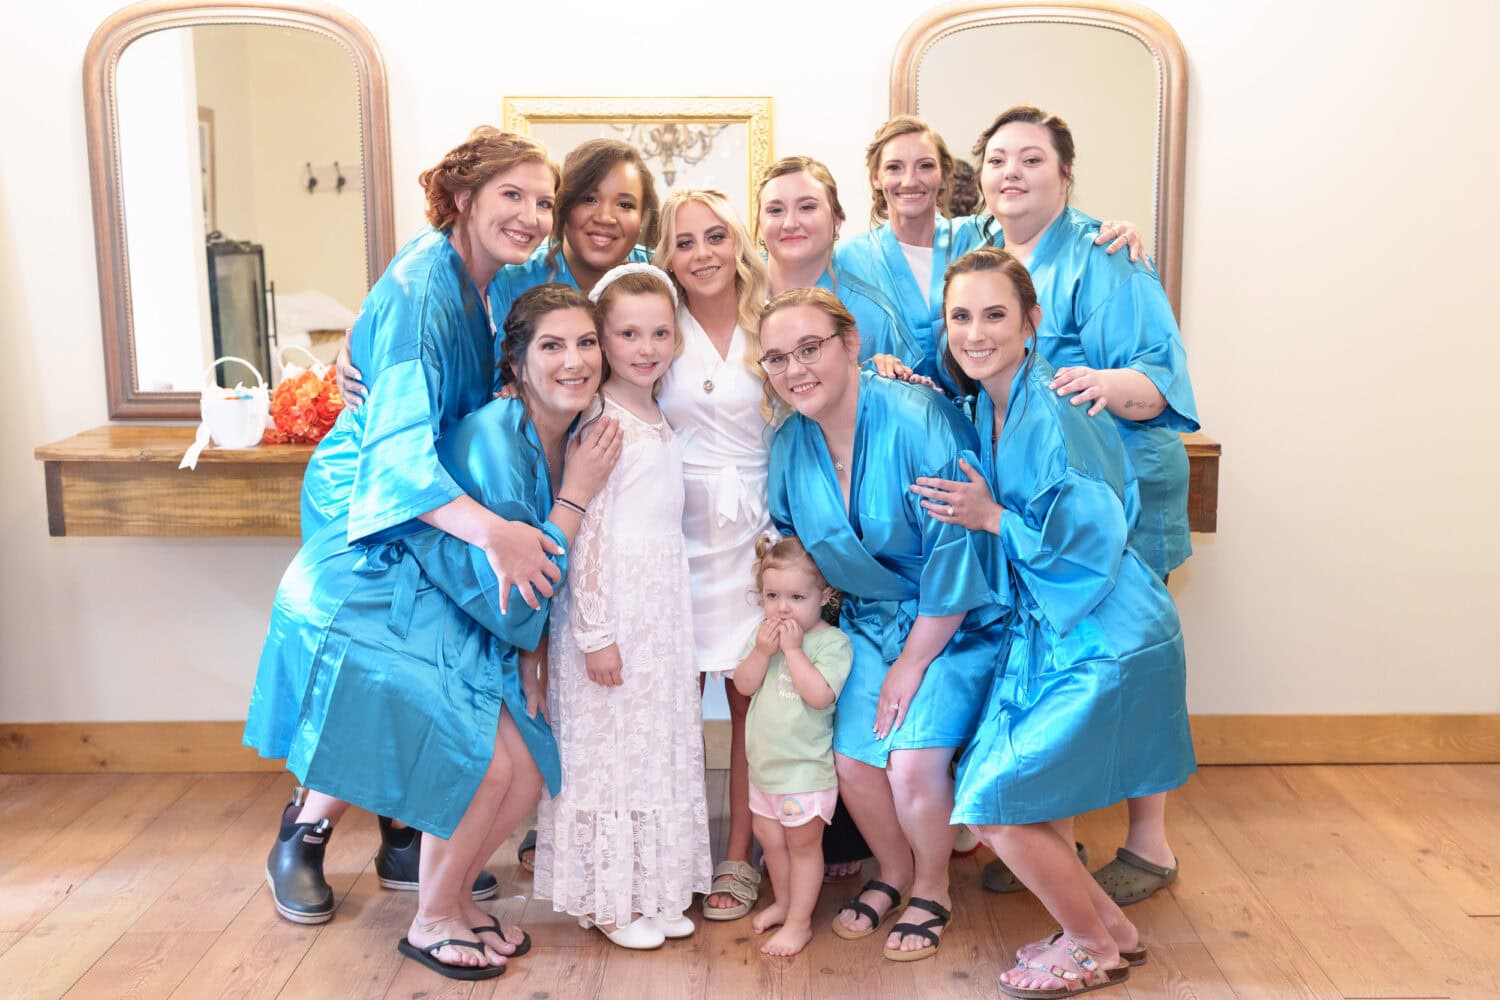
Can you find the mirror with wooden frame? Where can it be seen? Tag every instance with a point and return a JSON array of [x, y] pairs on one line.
[[240, 159], [1115, 72]]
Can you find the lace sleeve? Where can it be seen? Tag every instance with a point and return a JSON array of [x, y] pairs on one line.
[[593, 612]]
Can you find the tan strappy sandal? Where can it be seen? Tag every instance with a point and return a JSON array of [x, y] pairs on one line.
[[738, 879]]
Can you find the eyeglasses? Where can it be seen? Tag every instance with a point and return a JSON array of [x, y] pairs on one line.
[[809, 353]]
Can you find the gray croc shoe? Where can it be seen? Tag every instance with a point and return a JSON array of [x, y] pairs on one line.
[[997, 877], [1130, 878]]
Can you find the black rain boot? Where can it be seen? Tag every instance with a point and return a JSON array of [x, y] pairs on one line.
[[294, 870], [399, 861]]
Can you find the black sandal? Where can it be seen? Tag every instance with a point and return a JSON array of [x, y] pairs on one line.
[[493, 927], [865, 910], [526, 853], [468, 973], [940, 918]]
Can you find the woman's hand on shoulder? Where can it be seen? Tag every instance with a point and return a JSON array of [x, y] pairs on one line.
[[592, 455], [968, 503], [350, 382], [1084, 385], [1120, 235], [604, 666], [519, 556], [890, 366]]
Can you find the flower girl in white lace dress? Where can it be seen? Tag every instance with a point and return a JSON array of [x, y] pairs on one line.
[[624, 845]]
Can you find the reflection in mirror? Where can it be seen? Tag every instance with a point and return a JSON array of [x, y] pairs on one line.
[[1056, 67], [239, 236], [1116, 74]]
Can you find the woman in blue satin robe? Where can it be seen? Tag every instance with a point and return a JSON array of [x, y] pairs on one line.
[[1108, 329], [606, 208], [1089, 706], [918, 607], [340, 687], [797, 221], [912, 240]]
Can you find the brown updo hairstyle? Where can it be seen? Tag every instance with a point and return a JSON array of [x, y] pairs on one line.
[[583, 170], [485, 154], [899, 126], [1062, 136], [772, 406], [527, 312], [640, 283], [783, 553], [797, 165], [974, 262]]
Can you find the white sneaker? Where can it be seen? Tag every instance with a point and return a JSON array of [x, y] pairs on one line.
[[638, 935], [673, 927]]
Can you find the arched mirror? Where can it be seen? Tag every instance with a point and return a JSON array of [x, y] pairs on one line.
[[1116, 73], [240, 158]]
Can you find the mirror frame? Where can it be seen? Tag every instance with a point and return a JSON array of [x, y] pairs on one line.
[[126, 400], [1146, 27]]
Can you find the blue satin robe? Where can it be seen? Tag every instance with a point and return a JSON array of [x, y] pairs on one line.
[[382, 674], [881, 329], [1090, 705], [877, 259], [1101, 311], [513, 279], [425, 347], [892, 561]]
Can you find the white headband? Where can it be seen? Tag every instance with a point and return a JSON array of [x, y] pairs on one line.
[[633, 267]]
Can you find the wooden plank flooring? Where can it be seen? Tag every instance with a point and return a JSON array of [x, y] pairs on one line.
[[1335, 882]]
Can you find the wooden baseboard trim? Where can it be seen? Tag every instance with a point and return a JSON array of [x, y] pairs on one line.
[[168, 747]]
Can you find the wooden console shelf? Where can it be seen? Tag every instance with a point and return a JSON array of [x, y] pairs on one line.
[[123, 480]]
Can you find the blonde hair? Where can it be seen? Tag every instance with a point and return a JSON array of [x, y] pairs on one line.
[[751, 283], [798, 165], [788, 552], [896, 127], [473, 163]]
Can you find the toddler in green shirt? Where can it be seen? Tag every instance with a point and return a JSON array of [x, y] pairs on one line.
[[794, 666]]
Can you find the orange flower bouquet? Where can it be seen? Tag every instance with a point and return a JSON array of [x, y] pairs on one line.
[[304, 406]]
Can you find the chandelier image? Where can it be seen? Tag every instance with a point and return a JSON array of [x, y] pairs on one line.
[[672, 144]]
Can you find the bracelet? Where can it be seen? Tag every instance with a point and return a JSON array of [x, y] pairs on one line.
[[576, 508]]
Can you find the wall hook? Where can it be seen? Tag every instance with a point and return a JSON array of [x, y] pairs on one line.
[[312, 180], [340, 179]]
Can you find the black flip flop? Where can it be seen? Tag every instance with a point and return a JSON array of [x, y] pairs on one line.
[[468, 973], [493, 927]]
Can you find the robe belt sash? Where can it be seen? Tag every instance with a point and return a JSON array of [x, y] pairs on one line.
[[729, 486]]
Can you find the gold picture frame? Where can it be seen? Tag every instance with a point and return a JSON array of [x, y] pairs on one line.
[[662, 128]]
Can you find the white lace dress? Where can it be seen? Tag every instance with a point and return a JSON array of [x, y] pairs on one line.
[[628, 833]]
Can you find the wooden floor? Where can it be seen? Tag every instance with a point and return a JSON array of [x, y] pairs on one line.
[[1329, 882]]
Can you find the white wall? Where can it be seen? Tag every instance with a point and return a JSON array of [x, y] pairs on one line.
[[1336, 312]]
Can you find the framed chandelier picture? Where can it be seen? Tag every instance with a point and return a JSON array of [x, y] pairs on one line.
[[716, 142]]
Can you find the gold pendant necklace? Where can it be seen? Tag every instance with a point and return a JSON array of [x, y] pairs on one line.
[[708, 385]]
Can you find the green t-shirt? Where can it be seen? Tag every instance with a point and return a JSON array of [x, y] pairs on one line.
[[790, 743]]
